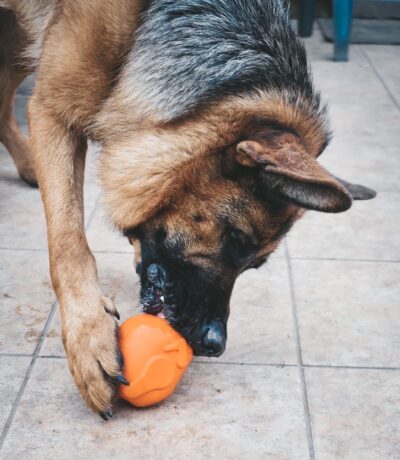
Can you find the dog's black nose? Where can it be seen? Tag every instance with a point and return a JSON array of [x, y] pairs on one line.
[[214, 339], [156, 275]]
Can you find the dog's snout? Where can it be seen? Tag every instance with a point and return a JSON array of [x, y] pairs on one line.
[[214, 339], [156, 275]]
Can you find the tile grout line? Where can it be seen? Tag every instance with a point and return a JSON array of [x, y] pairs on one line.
[[380, 78], [238, 363], [355, 368], [28, 373], [303, 383], [36, 352], [284, 365], [344, 259]]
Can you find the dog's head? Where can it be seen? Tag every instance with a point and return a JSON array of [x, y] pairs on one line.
[[234, 207]]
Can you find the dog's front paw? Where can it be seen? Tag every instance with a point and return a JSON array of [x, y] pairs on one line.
[[91, 343]]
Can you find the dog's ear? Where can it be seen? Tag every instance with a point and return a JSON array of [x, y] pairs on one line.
[[287, 170], [357, 191]]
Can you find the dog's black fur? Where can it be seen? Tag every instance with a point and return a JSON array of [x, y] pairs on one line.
[[189, 53]]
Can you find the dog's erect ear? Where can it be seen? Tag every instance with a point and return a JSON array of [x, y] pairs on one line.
[[288, 171]]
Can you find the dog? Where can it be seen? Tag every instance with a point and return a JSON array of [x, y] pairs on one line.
[[210, 130]]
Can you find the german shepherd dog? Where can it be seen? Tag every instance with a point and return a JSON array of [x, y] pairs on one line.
[[210, 129]]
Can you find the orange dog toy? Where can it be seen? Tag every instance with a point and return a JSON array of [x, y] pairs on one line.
[[155, 359]]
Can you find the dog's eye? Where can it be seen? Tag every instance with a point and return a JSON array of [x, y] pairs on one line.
[[239, 238], [238, 248], [236, 236]]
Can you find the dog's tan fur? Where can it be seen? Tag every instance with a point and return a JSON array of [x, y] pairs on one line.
[[170, 151], [147, 165], [59, 125]]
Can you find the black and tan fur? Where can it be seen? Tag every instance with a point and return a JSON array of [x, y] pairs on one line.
[[210, 129]]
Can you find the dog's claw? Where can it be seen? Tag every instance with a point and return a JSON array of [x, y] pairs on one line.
[[106, 415], [121, 379], [112, 312]]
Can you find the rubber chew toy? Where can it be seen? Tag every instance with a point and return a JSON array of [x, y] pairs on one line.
[[155, 359]]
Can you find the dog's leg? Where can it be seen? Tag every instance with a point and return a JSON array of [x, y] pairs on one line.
[[12, 74], [89, 328], [10, 133]]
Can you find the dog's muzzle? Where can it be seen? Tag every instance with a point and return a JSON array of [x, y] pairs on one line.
[[208, 338]]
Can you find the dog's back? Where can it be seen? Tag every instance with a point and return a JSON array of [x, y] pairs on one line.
[[186, 52]]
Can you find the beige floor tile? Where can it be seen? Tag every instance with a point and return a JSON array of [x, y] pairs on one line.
[[343, 83], [364, 148], [12, 372], [369, 230], [386, 60], [260, 327], [348, 83], [26, 297], [355, 413], [22, 222], [348, 312], [218, 411], [364, 152]]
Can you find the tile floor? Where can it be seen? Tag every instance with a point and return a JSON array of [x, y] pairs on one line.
[[312, 368]]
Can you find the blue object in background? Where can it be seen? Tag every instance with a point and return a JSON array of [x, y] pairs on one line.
[[342, 18]]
